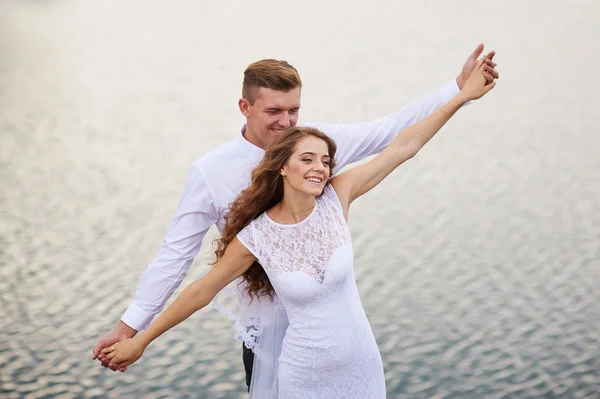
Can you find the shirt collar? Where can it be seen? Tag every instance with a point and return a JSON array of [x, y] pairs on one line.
[[248, 147]]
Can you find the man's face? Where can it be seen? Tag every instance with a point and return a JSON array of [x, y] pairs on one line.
[[272, 112]]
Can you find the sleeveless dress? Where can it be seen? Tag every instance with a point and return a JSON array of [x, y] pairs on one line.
[[328, 350]]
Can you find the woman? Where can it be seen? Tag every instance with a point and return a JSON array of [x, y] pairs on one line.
[[287, 236]]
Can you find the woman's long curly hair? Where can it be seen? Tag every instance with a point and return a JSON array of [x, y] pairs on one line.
[[264, 192]]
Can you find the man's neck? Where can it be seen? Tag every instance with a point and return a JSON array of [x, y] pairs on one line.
[[251, 137]]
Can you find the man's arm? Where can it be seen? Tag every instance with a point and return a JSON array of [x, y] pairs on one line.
[[194, 216], [360, 140]]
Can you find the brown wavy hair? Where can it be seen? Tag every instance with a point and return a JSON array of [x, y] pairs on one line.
[[264, 192]]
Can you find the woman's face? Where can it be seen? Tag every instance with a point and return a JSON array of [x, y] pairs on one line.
[[307, 170]]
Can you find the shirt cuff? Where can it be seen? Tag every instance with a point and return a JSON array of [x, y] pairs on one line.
[[449, 90], [136, 318]]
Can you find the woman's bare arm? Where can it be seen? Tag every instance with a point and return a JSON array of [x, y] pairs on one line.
[[235, 261], [359, 180]]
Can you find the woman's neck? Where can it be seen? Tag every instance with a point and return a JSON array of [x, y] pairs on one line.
[[292, 209]]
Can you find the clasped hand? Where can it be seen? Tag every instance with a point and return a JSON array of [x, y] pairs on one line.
[[124, 353], [477, 84]]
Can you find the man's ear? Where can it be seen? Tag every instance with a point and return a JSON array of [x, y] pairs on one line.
[[244, 105]]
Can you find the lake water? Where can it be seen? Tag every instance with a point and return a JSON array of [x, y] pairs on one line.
[[478, 262]]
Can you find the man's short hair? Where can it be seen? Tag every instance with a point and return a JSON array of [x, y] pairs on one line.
[[273, 74]]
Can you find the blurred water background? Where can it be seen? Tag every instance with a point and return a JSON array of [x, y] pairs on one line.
[[478, 262]]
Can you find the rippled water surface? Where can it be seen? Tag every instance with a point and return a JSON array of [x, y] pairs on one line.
[[478, 262]]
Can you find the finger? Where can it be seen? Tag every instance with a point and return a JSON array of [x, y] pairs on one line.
[[488, 78], [479, 67], [118, 359], [123, 366], [106, 350], [111, 356], [493, 72], [489, 63], [477, 52], [97, 350], [101, 356], [489, 87], [116, 363], [490, 55]]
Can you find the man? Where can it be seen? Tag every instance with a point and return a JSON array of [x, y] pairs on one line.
[[270, 103]]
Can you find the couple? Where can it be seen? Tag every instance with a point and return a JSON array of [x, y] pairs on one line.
[[285, 236]]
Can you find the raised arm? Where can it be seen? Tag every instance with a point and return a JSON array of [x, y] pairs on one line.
[[357, 181], [361, 140], [194, 216], [235, 261], [358, 141]]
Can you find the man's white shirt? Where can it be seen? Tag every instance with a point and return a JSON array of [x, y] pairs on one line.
[[217, 178]]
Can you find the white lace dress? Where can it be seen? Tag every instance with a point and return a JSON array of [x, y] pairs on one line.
[[328, 350]]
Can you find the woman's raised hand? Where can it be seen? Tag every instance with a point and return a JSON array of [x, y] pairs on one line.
[[476, 85]]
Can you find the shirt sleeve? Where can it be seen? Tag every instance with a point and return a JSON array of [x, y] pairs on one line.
[[360, 140], [194, 216]]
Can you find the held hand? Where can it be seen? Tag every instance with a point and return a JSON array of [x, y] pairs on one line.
[[490, 72], [124, 353], [476, 85], [119, 333]]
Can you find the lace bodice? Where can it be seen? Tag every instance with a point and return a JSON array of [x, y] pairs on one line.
[[306, 246]]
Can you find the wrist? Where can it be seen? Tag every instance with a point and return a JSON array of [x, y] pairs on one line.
[[123, 329], [462, 98], [144, 338], [460, 82]]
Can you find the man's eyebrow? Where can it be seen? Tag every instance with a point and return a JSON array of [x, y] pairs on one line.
[[279, 109]]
